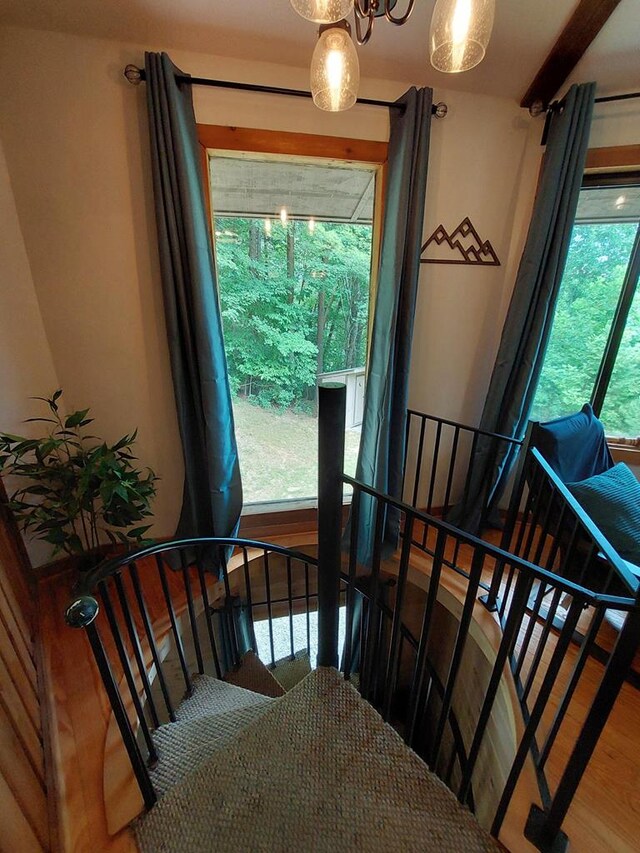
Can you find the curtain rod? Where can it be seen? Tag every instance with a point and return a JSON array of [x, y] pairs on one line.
[[137, 75], [556, 105], [606, 98]]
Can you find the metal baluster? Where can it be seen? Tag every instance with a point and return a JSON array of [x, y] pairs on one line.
[[290, 599], [475, 574], [578, 668], [527, 740], [610, 686], [208, 616], [542, 642], [416, 482], [417, 685], [128, 674], [191, 610], [267, 581], [371, 631], [133, 750], [407, 434], [351, 585], [174, 625], [146, 621], [393, 661], [452, 466], [467, 483], [228, 605], [308, 607], [509, 638], [137, 648], [434, 468], [532, 617], [247, 584]]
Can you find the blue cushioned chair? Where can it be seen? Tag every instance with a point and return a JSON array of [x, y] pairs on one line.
[[576, 448]]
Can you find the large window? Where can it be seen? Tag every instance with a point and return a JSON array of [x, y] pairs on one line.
[[294, 239], [594, 347]]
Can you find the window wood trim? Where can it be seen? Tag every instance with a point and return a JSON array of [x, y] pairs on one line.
[[303, 146], [613, 158]]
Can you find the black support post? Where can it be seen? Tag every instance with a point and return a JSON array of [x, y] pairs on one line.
[[331, 421]]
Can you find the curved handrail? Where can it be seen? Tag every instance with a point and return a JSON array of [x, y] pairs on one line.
[[109, 567]]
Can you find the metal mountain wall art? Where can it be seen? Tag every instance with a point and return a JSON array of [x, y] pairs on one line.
[[463, 246]]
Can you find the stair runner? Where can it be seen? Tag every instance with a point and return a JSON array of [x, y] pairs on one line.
[[316, 769]]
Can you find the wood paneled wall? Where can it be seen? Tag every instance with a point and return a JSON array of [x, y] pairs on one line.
[[23, 802]]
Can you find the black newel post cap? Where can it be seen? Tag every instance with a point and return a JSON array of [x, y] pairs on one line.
[[82, 611]]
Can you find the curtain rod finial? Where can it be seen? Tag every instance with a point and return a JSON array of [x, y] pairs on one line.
[[536, 109], [133, 74]]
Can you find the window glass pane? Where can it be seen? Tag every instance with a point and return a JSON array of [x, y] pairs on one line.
[[293, 254], [596, 265], [621, 410]]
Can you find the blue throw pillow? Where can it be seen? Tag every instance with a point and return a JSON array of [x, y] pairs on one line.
[[612, 499]]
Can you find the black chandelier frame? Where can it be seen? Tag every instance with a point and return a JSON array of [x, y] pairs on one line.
[[369, 10]]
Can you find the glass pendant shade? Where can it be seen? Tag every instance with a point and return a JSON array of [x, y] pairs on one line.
[[460, 33], [335, 70], [323, 11]]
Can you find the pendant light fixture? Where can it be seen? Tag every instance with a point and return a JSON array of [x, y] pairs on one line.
[[323, 11], [460, 33], [335, 70]]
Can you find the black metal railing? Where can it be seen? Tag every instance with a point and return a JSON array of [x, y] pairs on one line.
[[130, 606], [535, 646], [411, 633], [546, 525], [543, 685], [440, 475], [440, 456]]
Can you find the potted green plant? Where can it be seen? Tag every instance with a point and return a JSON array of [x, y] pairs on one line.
[[79, 492]]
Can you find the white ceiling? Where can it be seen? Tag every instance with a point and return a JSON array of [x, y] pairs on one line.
[[269, 30], [251, 186]]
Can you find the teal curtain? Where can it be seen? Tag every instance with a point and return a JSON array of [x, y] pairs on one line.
[[381, 457], [530, 316], [212, 498]]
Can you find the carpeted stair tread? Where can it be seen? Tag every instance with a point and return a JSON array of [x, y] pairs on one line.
[[290, 671], [253, 675], [321, 771], [184, 745], [211, 697]]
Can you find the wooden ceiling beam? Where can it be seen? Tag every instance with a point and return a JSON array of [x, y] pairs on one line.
[[584, 25]]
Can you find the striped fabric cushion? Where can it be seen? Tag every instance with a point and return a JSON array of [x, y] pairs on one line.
[[612, 499]]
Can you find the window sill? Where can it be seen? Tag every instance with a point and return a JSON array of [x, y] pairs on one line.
[[625, 453]]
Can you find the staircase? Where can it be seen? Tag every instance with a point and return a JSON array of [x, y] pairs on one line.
[[224, 758], [317, 769]]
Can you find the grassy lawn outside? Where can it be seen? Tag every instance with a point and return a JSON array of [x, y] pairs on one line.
[[279, 452]]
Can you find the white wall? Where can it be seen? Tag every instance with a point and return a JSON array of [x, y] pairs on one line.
[[75, 137], [26, 365]]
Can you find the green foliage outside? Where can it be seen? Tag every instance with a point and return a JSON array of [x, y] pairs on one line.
[[596, 265], [282, 293]]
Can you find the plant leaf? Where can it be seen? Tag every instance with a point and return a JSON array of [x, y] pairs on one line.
[[75, 419]]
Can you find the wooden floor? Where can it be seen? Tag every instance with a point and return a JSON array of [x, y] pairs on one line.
[[605, 815]]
